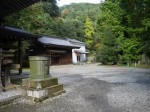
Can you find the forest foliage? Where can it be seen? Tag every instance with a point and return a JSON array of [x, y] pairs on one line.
[[123, 32], [114, 31]]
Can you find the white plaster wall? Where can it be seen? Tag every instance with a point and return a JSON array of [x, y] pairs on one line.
[[74, 57], [82, 56]]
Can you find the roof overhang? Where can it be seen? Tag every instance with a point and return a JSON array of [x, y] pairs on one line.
[[57, 42], [16, 33], [57, 51], [78, 51], [8, 7]]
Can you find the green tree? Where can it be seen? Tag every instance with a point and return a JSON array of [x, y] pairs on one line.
[[110, 31], [79, 13], [131, 50], [136, 20], [67, 28], [89, 31], [106, 55], [35, 19], [51, 8]]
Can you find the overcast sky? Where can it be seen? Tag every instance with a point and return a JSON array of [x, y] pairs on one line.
[[66, 2]]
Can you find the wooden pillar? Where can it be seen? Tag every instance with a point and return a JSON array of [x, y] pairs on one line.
[[0, 67], [5, 80], [7, 75], [20, 55], [1, 86]]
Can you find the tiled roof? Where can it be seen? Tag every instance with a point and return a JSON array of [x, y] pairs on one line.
[[75, 41], [81, 51], [47, 40], [13, 32]]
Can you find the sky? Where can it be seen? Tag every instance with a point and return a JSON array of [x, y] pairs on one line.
[[67, 2]]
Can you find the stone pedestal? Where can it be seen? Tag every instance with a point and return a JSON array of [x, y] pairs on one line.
[[39, 90], [40, 85]]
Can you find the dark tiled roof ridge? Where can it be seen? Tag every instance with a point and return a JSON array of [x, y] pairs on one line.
[[11, 26], [53, 36]]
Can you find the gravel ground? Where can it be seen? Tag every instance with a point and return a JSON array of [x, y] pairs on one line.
[[10, 93], [92, 88]]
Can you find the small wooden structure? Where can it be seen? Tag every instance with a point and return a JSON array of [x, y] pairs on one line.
[[60, 50], [9, 35]]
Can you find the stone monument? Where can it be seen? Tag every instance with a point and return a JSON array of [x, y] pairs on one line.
[[40, 85]]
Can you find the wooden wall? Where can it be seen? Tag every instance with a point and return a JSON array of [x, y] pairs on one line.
[[61, 58]]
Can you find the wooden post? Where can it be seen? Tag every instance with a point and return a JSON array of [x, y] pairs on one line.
[[6, 70], [20, 55], [0, 65], [7, 76], [1, 86]]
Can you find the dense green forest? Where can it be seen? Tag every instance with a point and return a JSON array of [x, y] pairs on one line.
[[124, 29], [114, 31]]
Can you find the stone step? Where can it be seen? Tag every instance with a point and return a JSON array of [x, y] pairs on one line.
[[58, 93], [11, 87], [36, 100], [38, 95], [40, 89], [48, 91], [37, 84], [54, 89], [9, 100]]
